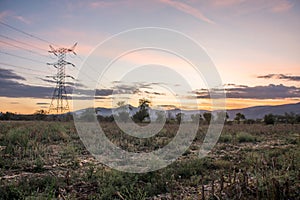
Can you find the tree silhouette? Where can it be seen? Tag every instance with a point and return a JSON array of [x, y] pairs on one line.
[[239, 117], [143, 112], [179, 117], [40, 114], [290, 117], [269, 119], [207, 116]]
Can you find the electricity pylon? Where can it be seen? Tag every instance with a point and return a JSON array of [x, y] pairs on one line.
[[59, 102]]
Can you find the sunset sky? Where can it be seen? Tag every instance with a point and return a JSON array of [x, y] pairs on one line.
[[254, 44]]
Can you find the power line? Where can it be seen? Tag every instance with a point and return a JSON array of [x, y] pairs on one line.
[[16, 66], [24, 43], [17, 56], [36, 37], [25, 33], [31, 82], [92, 69], [25, 49], [29, 74], [39, 84], [33, 36]]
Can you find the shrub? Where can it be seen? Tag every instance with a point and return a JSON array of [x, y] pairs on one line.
[[269, 119], [225, 138], [245, 137]]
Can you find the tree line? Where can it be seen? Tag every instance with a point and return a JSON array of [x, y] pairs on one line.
[[142, 116]]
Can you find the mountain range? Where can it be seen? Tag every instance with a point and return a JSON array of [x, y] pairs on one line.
[[256, 112]]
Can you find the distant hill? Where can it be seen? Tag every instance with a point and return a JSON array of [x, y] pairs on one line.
[[260, 111], [250, 112]]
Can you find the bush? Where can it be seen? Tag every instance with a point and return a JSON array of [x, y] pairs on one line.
[[225, 138], [245, 137], [269, 119]]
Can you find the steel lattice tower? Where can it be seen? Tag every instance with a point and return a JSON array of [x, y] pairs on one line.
[[59, 102]]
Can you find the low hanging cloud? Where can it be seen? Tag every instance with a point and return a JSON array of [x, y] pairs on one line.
[[42, 103], [280, 76], [168, 106], [11, 87], [103, 92], [234, 85], [132, 88], [154, 93], [7, 74], [76, 84], [264, 92], [19, 90], [256, 92]]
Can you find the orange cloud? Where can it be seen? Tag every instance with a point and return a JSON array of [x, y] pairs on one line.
[[187, 9]]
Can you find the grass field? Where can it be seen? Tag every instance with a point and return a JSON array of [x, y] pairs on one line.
[[47, 160]]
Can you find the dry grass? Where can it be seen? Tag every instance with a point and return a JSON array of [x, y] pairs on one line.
[[46, 160]]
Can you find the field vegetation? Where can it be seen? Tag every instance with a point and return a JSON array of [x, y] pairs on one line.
[[47, 160]]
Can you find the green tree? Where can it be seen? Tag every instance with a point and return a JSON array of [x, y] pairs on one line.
[[269, 119], [179, 117], [8, 116], [40, 114], [239, 117], [280, 119], [207, 116], [298, 118], [143, 112], [290, 117]]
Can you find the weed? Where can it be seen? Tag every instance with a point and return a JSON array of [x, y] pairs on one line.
[[40, 160], [10, 192]]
